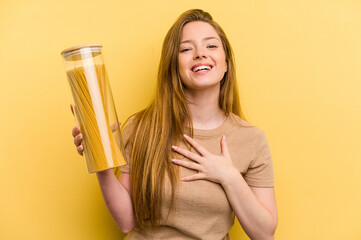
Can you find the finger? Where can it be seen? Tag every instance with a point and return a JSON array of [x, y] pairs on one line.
[[188, 154], [76, 131], [197, 176], [80, 149], [224, 147], [72, 108], [78, 139], [115, 126], [187, 164], [196, 145]]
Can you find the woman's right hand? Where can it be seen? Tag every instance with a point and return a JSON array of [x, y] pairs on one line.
[[116, 193], [78, 137]]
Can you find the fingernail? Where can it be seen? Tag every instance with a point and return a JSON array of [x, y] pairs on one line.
[[174, 160], [174, 147], [186, 136], [81, 135]]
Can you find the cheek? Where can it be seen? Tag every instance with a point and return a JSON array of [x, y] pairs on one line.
[[222, 59], [182, 67], [181, 70], [180, 63], [224, 65]]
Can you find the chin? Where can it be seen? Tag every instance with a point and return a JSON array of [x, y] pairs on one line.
[[202, 86]]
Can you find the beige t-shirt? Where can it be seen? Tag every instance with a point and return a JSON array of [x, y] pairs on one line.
[[201, 209]]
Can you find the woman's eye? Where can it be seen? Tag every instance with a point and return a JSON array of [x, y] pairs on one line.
[[185, 50], [212, 46]]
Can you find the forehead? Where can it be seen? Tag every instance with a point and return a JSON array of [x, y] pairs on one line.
[[198, 30]]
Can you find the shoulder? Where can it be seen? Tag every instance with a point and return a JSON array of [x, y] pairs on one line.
[[244, 129], [128, 128], [131, 126], [128, 123], [251, 153]]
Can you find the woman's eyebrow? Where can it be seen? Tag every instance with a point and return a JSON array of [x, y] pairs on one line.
[[204, 39]]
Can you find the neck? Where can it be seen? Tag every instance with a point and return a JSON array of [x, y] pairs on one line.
[[204, 109]]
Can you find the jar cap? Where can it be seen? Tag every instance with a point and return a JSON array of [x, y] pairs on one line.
[[67, 52]]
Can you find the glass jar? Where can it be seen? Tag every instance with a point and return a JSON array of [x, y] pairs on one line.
[[94, 107]]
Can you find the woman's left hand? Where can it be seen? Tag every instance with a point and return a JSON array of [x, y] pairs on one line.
[[210, 167]]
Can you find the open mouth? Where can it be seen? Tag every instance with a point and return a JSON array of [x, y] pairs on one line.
[[199, 68]]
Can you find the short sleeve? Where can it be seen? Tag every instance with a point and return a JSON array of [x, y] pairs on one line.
[[260, 171], [127, 148]]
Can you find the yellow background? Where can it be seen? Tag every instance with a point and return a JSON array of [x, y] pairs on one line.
[[298, 65]]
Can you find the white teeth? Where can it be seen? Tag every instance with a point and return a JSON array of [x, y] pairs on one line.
[[203, 67]]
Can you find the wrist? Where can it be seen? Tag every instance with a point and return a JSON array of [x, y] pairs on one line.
[[231, 176]]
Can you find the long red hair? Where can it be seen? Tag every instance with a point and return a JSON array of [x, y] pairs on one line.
[[161, 124]]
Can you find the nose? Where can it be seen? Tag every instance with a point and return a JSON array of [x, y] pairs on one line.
[[199, 53]]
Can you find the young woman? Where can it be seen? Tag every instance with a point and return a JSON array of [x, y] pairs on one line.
[[193, 160]]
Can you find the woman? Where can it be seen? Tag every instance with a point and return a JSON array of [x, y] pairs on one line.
[[193, 160]]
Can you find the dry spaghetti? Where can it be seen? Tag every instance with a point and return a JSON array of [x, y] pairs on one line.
[[90, 92]]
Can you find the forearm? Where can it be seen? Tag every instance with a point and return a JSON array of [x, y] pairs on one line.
[[117, 199], [255, 219]]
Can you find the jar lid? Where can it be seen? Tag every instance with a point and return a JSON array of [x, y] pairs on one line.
[[71, 50]]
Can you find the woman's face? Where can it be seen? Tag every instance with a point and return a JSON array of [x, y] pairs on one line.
[[201, 59]]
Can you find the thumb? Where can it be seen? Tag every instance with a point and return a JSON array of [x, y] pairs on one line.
[[224, 147]]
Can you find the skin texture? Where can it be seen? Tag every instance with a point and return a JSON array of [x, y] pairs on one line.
[[200, 43]]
